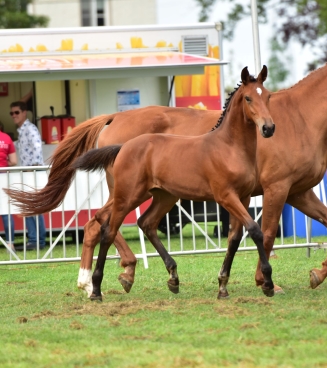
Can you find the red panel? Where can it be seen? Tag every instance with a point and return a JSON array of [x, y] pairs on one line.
[[67, 124], [51, 130]]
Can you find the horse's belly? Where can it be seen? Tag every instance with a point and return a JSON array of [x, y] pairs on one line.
[[186, 186]]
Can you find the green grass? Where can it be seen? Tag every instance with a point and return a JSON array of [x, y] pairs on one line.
[[131, 234], [47, 322]]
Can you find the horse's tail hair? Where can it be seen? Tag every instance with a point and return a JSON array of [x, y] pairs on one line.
[[97, 159], [81, 139]]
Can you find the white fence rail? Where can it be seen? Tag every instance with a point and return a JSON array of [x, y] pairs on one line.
[[89, 192]]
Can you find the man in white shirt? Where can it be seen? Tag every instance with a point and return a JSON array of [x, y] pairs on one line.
[[30, 154]]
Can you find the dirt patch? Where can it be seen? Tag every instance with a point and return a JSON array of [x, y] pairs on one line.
[[230, 310], [112, 291], [260, 301], [247, 326], [22, 319], [114, 310], [43, 314], [76, 325], [30, 343]]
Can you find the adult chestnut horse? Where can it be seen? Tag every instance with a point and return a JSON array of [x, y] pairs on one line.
[[219, 166], [297, 163]]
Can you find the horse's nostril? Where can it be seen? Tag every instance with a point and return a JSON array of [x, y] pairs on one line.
[[268, 131]]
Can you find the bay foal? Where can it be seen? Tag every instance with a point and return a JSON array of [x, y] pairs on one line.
[[219, 166]]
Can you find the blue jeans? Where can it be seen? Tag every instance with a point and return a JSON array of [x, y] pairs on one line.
[[31, 230], [5, 221]]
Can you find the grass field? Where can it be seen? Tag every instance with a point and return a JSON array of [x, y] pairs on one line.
[[47, 322]]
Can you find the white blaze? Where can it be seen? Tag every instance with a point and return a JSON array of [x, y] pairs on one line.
[[259, 90]]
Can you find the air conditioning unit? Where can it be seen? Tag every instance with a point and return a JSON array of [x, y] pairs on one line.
[[195, 45]]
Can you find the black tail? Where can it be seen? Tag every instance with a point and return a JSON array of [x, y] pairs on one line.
[[97, 159]]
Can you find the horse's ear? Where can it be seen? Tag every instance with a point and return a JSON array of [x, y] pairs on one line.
[[263, 74], [245, 76]]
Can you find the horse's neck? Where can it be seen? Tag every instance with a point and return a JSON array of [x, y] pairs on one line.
[[236, 130], [309, 98]]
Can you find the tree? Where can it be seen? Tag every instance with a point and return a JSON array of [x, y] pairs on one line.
[[206, 6], [13, 14], [304, 21]]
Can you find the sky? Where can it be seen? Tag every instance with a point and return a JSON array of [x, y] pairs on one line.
[[239, 52]]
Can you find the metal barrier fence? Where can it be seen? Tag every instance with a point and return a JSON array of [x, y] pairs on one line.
[[89, 192]]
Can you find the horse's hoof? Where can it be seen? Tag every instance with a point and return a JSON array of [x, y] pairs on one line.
[[173, 288], [127, 285], [94, 297], [268, 292], [315, 280], [223, 295], [278, 290]]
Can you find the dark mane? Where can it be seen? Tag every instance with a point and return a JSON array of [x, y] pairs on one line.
[[227, 102]]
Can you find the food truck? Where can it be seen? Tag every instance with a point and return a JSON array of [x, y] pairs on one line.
[[73, 74]]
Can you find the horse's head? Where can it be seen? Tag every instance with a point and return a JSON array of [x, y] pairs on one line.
[[256, 101]]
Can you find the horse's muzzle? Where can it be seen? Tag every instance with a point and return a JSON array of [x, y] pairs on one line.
[[268, 131]]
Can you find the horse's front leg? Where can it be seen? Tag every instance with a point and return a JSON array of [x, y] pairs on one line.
[[238, 209], [91, 239], [308, 203], [234, 238]]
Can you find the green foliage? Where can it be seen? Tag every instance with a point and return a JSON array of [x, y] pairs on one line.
[[240, 11], [206, 6], [13, 14], [304, 21]]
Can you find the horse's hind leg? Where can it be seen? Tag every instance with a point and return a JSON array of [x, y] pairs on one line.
[[234, 238], [128, 259], [91, 239], [111, 219], [310, 205], [273, 202], [97, 276], [128, 262], [162, 203]]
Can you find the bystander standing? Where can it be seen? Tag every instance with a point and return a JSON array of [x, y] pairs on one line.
[[30, 154], [7, 158]]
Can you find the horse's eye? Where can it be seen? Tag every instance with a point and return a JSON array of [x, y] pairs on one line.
[[247, 98]]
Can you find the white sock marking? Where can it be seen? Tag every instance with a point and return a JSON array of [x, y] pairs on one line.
[[84, 281]]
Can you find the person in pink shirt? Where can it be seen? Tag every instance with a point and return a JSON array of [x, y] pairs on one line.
[[7, 158]]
